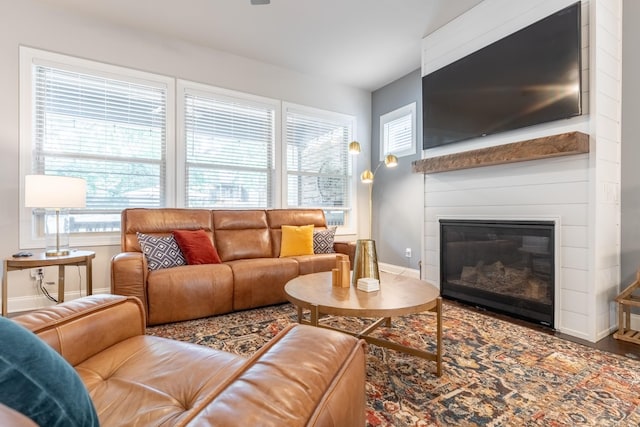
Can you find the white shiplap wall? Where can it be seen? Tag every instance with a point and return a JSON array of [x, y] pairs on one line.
[[561, 189], [606, 98]]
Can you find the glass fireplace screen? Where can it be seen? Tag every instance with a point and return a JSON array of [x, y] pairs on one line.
[[506, 266]]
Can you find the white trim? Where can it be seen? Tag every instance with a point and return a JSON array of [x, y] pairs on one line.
[[350, 227], [30, 57], [204, 90], [397, 269], [557, 248], [409, 109], [37, 301]]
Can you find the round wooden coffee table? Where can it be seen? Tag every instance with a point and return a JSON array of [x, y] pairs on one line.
[[398, 296]]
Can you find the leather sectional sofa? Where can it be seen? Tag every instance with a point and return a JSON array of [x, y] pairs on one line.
[[248, 242], [305, 376]]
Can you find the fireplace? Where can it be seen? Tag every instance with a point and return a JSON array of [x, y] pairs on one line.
[[504, 266]]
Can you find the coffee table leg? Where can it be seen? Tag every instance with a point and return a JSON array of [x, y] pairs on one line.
[[388, 322], [314, 315], [299, 314]]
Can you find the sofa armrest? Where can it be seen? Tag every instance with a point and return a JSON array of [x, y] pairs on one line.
[[83, 327], [305, 376], [129, 276], [347, 248]]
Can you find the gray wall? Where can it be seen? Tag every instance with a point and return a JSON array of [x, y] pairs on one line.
[[397, 193], [630, 217]]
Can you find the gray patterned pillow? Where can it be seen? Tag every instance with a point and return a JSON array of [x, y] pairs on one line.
[[161, 251], [323, 241]]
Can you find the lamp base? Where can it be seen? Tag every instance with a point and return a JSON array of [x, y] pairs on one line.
[[57, 252]]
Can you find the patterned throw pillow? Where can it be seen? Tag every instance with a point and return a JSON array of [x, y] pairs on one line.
[[323, 241], [161, 252]]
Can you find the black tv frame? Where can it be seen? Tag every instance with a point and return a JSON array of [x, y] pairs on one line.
[[496, 82]]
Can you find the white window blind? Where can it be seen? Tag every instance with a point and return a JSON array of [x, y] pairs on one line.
[[229, 145], [318, 163], [397, 132], [110, 131]]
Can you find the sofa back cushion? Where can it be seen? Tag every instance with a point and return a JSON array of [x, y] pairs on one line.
[[160, 222], [241, 234], [278, 217]]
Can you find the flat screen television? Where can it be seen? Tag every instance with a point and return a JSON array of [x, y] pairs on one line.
[[529, 77]]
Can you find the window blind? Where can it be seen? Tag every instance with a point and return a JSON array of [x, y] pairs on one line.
[[318, 163], [398, 135], [229, 145], [110, 131]]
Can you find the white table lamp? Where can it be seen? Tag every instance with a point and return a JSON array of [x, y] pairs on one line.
[[55, 193]]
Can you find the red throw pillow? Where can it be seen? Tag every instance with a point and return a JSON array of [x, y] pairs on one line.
[[196, 247]]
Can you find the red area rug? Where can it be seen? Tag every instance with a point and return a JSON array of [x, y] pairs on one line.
[[495, 373]]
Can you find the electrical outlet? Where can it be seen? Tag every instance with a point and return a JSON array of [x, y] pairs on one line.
[[37, 272], [407, 253]]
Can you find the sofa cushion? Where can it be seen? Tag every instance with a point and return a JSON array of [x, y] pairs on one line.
[[279, 217], [189, 292], [259, 282], [296, 240], [316, 263], [37, 382], [161, 251], [241, 234], [160, 221], [147, 380], [196, 246], [323, 240]]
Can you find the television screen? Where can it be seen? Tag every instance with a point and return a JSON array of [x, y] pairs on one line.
[[529, 77]]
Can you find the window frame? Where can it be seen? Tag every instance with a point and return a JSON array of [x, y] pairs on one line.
[[184, 86], [351, 211], [175, 141], [406, 110], [29, 58]]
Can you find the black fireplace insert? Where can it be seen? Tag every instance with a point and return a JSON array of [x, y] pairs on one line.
[[504, 266]]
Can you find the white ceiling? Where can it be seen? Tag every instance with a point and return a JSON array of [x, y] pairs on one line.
[[361, 43]]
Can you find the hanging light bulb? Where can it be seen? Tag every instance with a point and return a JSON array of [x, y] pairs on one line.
[[390, 161], [354, 147], [366, 177]]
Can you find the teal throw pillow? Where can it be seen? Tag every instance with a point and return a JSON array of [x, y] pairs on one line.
[[39, 383]]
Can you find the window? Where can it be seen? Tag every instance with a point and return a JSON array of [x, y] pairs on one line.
[[137, 144], [398, 132], [318, 166], [102, 123], [228, 146]]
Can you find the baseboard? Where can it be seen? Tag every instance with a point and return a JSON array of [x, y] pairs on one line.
[[396, 269], [34, 302]]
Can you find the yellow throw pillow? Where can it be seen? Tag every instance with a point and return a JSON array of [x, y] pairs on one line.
[[296, 240]]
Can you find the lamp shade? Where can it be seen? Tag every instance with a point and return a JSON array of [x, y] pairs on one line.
[[390, 161], [54, 192], [354, 147], [366, 177]]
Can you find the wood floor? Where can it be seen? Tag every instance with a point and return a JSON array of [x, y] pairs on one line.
[[610, 344]]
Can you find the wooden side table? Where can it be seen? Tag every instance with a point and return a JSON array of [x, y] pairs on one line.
[[40, 260]]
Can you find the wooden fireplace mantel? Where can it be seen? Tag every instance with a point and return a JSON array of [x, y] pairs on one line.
[[563, 144]]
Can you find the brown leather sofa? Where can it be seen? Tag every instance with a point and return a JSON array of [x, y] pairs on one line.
[[251, 273], [305, 376]]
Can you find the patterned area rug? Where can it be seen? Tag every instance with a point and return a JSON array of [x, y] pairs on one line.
[[495, 373]]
